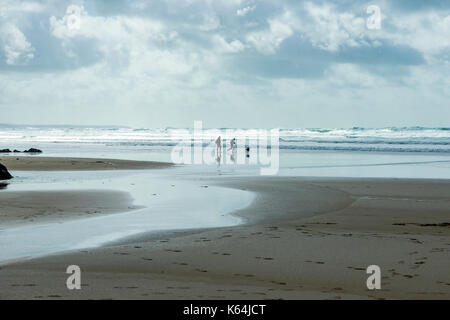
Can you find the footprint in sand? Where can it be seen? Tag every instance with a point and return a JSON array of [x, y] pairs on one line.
[[264, 258], [122, 253], [279, 283], [355, 268]]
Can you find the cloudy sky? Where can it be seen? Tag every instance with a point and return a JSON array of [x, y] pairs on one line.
[[230, 63]]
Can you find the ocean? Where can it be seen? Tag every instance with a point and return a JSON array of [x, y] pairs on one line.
[[393, 139], [403, 152]]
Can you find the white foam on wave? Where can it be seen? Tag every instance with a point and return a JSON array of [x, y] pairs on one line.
[[416, 139]]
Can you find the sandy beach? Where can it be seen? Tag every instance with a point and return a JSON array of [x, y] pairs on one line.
[[20, 208], [230, 150], [303, 238], [78, 164]]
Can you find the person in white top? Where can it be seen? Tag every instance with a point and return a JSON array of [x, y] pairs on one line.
[[218, 149]]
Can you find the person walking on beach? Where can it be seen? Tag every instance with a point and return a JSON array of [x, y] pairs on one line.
[[218, 149], [232, 148], [232, 145]]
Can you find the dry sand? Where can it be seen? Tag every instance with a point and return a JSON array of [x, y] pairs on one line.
[[304, 238]]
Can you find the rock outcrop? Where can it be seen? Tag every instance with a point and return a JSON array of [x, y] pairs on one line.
[[33, 150], [4, 174]]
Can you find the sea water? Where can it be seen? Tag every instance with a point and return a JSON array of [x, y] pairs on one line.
[[407, 152]]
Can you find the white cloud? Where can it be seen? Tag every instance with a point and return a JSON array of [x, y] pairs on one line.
[[428, 32], [16, 47], [10, 7], [116, 28], [244, 11], [210, 22], [329, 29], [268, 41], [137, 38], [228, 47]]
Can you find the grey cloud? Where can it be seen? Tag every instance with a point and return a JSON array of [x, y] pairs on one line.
[[299, 59], [50, 54], [385, 54], [416, 5]]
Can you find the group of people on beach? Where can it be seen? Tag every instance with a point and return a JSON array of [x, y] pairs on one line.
[[232, 149]]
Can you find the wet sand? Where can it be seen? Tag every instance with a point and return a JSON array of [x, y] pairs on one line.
[[38, 163], [25, 207], [20, 208], [305, 238]]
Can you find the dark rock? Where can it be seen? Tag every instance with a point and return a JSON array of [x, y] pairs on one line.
[[33, 150], [5, 151], [4, 174], [15, 150]]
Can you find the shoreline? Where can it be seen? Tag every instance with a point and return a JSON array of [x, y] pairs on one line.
[[304, 238], [40, 163]]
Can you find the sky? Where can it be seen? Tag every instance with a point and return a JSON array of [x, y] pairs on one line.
[[229, 63]]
